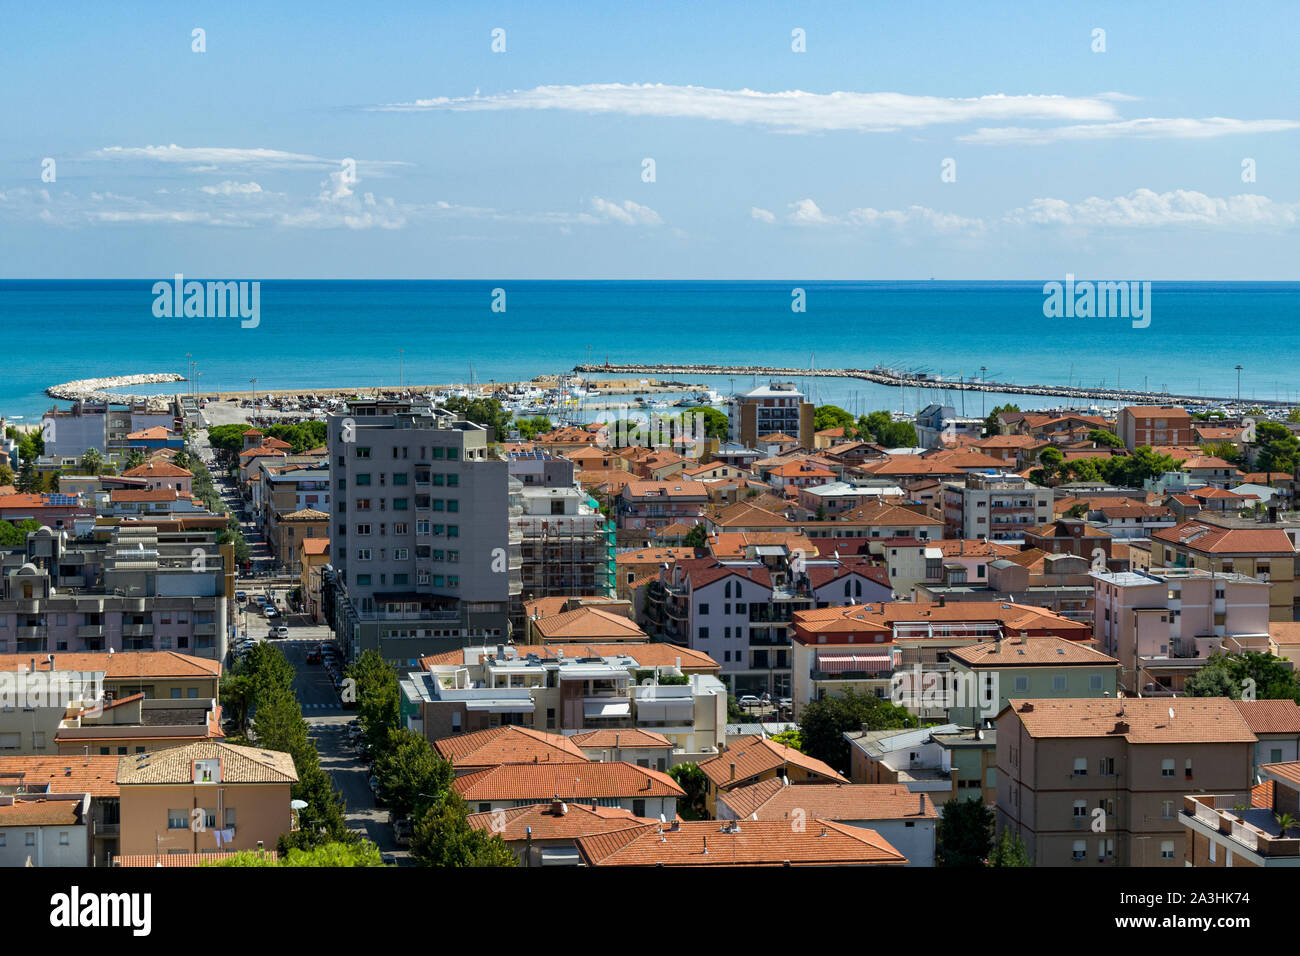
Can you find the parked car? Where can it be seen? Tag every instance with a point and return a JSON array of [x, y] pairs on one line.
[[749, 700], [402, 832], [313, 655], [241, 596], [785, 703], [271, 613], [388, 859], [279, 631]]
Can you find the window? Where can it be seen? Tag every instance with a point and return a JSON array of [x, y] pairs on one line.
[[1081, 766], [1275, 755], [704, 609], [1167, 767], [1106, 766], [703, 636], [363, 479], [363, 529], [1022, 683], [363, 452], [1094, 682], [363, 580], [230, 818], [1166, 849], [363, 554], [1167, 809], [1080, 849], [176, 693], [1058, 682], [638, 808], [550, 718], [400, 478], [10, 741], [63, 838], [178, 820], [1188, 768], [484, 807]]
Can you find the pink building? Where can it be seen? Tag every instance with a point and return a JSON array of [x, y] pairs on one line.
[[160, 474], [1163, 623]]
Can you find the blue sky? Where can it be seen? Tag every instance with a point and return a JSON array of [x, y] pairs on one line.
[[824, 164]]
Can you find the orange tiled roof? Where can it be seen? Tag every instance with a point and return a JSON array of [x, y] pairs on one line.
[[149, 434], [774, 800], [157, 469], [1270, 716], [756, 754], [589, 622], [95, 774], [545, 823], [756, 843], [1212, 539], [38, 812], [1031, 652], [628, 739], [1144, 720], [498, 745], [120, 664], [569, 781], [315, 545]]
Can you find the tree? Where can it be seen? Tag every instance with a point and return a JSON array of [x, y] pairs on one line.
[[991, 426], [12, 536], [136, 459], [407, 767], [821, 513], [243, 554], [716, 423], [1279, 450], [831, 416], [1221, 449], [1101, 436], [1079, 510], [697, 537], [1284, 822], [1051, 457], [691, 778], [882, 428], [378, 698], [530, 428], [442, 836], [964, 834], [6, 475], [92, 462], [360, 853], [487, 412], [1212, 680], [823, 723], [29, 482], [1009, 851], [790, 738], [1133, 470]]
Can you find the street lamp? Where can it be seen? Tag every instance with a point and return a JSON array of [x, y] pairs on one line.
[[1238, 385], [983, 370]]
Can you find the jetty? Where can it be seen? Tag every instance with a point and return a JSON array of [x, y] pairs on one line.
[[97, 389], [881, 375]]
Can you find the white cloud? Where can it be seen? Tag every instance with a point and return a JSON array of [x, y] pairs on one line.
[[627, 212], [762, 215], [1150, 128], [231, 188], [790, 111], [1146, 209], [211, 158], [805, 212]]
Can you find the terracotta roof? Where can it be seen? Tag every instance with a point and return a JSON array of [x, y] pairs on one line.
[[1207, 461], [149, 434], [544, 607], [498, 745], [95, 774], [119, 664], [568, 781], [315, 545], [40, 812], [773, 800], [1145, 720], [631, 738], [588, 622], [153, 494], [777, 438], [971, 548], [651, 555], [305, 514], [1261, 795], [577, 820], [666, 489], [262, 451], [757, 754], [756, 843], [1270, 716], [1289, 771], [1199, 536], [732, 544], [1156, 411], [33, 501], [1284, 632], [1031, 652], [157, 469], [175, 765], [882, 616]]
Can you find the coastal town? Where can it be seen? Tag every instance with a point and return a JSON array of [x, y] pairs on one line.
[[592, 622]]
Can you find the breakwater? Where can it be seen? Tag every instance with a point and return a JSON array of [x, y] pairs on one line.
[[97, 389], [892, 377]]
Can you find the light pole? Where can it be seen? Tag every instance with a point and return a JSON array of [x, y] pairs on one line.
[[399, 368], [253, 382], [191, 365], [1238, 385], [983, 369]]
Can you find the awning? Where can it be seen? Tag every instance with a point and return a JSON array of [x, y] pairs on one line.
[[560, 856], [517, 706], [599, 708], [682, 708], [838, 663]]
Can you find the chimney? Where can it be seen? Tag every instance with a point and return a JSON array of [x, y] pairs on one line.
[[559, 808], [733, 772], [1026, 708], [921, 809], [706, 846], [33, 665]]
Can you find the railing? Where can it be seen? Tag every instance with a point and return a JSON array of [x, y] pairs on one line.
[[1245, 835]]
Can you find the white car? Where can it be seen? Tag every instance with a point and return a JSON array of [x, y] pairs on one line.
[[749, 700], [280, 631]]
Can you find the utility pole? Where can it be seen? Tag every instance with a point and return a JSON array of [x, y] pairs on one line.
[[983, 391], [1239, 385]]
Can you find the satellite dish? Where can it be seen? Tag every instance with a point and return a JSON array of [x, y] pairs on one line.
[[297, 804]]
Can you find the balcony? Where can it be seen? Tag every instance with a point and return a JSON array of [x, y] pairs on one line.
[[90, 631], [137, 630], [1255, 828], [205, 628]]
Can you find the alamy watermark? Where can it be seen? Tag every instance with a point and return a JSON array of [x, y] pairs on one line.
[[1086, 299], [919, 689], [683, 433], [208, 300], [31, 690]]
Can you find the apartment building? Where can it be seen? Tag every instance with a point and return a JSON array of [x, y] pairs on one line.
[[161, 473], [1037, 667], [1063, 764], [754, 759], [313, 558], [70, 513], [204, 797], [1277, 725], [654, 505], [1228, 829], [641, 791], [767, 409], [1163, 624], [133, 588], [740, 612], [566, 544], [1140, 425], [1000, 506], [71, 432], [46, 829], [939, 425], [566, 690], [420, 543], [1267, 554], [52, 778]]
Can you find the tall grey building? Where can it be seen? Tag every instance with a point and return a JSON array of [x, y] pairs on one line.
[[419, 538]]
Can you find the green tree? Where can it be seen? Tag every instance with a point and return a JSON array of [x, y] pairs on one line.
[[1221, 449], [790, 738], [691, 778], [92, 462], [1279, 450], [823, 723], [1132, 470], [1212, 680], [530, 428], [6, 475], [359, 853], [964, 834], [136, 459], [29, 482], [482, 411], [227, 440], [1101, 436], [1079, 510], [697, 537], [442, 836], [12, 535], [883, 430], [1051, 457], [1009, 850], [716, 423], [378, 698], [407, 767], [831, 416]]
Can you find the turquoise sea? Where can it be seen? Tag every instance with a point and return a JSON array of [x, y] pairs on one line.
[[355, 333]]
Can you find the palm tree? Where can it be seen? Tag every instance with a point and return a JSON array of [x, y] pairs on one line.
[[92, 461], [1285, 822]]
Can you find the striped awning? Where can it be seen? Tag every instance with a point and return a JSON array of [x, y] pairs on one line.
[[838, 663]]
